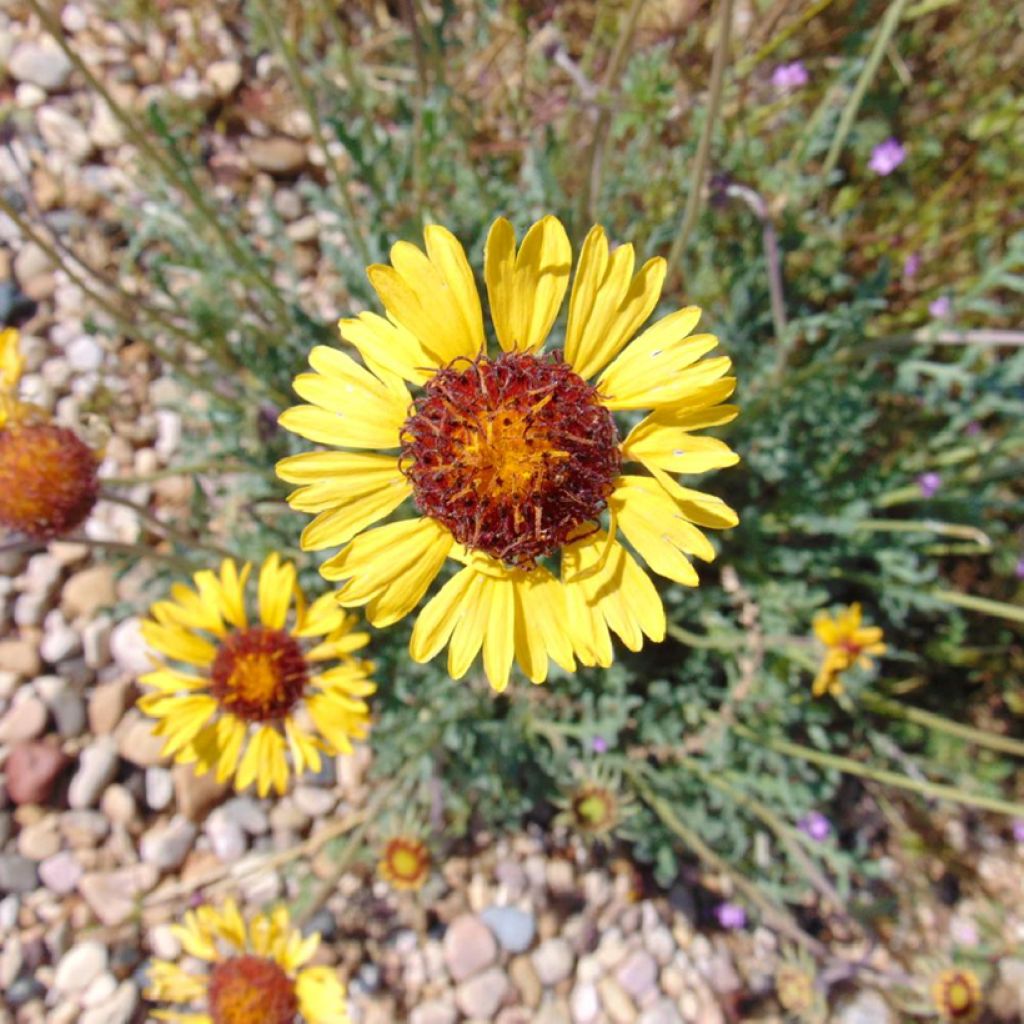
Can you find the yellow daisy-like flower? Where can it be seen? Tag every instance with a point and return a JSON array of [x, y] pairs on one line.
[[847, 643], [405, 862], [252, 973], [12, 364], [512, 460], [265, 689], [956, 993]]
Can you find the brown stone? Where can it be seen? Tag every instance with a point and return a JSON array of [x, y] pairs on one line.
[[20, 657], [197, 795], [32, 769], [113, 895], [86, 592], [107, 704], [279, 155]]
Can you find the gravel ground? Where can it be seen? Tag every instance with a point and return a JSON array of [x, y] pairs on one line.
[[102, 842]]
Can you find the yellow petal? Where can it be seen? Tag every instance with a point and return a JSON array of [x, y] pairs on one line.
[[608, 304], [339, 525], [468, 634], [321, 996], [178, 643], [433, 296], [440, 615], [276, 586], [541, 627], [387, 347], [700, 508], [673, 449], [525, 290], [499, 647], [330, 479]]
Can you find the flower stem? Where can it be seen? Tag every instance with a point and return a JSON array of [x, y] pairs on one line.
[[700, 162], [934, 790]]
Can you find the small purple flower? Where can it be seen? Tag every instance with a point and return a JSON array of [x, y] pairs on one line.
[[941, 307], [929, 484], [973, 429], [887, 156], [731, 915], [815, 825], [1019, 573], [599, 745], [911, 266], [1018, 830], [789, 77]]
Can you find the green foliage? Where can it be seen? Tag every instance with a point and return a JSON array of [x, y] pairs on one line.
[[842, 411]]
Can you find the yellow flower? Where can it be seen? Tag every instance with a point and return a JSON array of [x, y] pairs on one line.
[[514, 461], [956, 993], [405, 862], [12, 363], [264, 689], [847, 643], [251, 973]]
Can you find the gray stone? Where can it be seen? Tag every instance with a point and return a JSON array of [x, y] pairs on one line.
[[480, 996], [167, 846], [247, 814], [638, 973], [68, 710], [553, 961], [513, 928], [662, 1012], [97, 766], [40, 62], [113, 895], [226, 837], [469, 946], [17, 873], [60, 873]]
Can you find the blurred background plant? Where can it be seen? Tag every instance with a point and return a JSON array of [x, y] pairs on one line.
[[840, 189]]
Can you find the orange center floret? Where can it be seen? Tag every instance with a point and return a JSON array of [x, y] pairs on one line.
[[593, 807], [407, 859], [259, 674], [251, 990], [511, 454], [47, 479]]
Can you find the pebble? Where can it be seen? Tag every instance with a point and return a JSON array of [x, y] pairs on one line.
[[118, 1009], [68, 709], [553, 960], [662, 1012], [60, 641], [32, 770], [480, 996], [584, 1004], [107, 704], [85, 354], [17, 873], [227, 839], [128, 648], [80, 966], [137, 743], [167, 845], [87, 591], [616, 1002], [39, 840], [97, 766], [60, 873], [25, 720], [118, 805], [865, 1007], [525, 979], [278, 155], [434, 1011], [159, 787], [40, 62], [112, 895], [96, 641], [638, 973], [64, 133], [100, 989], [314, 802], [469, 946], [513, 928], [20, 657], [224, 75], [246, 812], [197, 794]]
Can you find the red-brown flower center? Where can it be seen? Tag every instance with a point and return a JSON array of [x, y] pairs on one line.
[[406, 861], [47, 479], [251, 990], [259, 674], [511, 454]]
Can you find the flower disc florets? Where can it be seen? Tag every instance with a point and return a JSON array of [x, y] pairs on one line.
[[405, 862], [251, 990], [48, 479], [259, 674], [511, 454], [957, 995]]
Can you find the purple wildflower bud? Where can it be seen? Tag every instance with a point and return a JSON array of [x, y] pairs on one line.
[[1019, 573], [973, 429], [941, 307], [929, 484], [731, 915], [887, 156], [599, 745], [1018, 830], [911, 266], [815, 825], [789, 77]]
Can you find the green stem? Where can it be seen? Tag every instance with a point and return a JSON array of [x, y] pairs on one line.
[[970, 734], [886, 30], [287, 51], [774, 914], [700, 163], [985, 605], [748, 64], [934, 790]]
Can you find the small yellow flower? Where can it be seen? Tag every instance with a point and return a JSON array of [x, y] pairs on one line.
[[595, 806], [250, 973], [405, 862], [264, 685], [12, 364], [956, 993], [514, 459], [847, 643]]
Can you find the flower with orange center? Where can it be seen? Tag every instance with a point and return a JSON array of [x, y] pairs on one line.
[[405, 862], [847, 643], [253, 973], [48, 481], [514, 460], [956, 993], [265, 691]]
